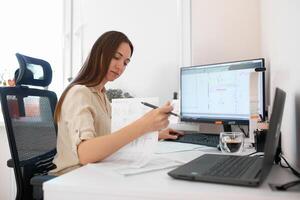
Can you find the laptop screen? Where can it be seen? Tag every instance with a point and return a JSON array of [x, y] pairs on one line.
[[273, 134]]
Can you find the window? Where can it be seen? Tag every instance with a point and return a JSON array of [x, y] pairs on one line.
[[32, 28]]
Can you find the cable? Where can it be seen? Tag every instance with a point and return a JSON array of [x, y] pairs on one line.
[[252, 153], [256, 152], [289, 166], [288, 185], [246, 135], [283, 166]]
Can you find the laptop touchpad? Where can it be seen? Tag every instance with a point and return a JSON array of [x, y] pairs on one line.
[[203, 163]]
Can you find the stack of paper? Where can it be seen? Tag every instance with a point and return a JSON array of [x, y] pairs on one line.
[[138, 152]]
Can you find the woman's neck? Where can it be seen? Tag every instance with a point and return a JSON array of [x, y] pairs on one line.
[[100, 87]]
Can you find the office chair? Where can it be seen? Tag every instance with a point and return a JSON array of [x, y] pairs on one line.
[[31, 131]]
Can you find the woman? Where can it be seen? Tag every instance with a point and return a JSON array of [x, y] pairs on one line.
[[83, 112]]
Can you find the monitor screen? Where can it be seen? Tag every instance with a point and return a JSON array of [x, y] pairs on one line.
[[220, 93]]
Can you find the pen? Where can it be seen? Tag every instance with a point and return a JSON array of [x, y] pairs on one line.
[[153, 106], [261, 117]]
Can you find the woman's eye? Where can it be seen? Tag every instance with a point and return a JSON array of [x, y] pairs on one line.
[[126, 62], [117, 57]]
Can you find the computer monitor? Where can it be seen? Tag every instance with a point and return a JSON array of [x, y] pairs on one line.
[[220, 93]]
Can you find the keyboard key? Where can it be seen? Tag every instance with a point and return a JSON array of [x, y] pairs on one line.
[[211, 140], [233, 166]]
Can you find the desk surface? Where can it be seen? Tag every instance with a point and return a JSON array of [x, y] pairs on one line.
[[91, 183]]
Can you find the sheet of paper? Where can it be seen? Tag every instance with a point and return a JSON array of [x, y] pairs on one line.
[[153, 165], [138, 152], [123, 167], [125, 111], [176, 105], [164, 147]]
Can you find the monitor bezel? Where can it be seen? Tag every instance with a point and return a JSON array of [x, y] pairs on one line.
[[223, 120]]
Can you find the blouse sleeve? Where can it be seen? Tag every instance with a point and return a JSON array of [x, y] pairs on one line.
[[78, 114]]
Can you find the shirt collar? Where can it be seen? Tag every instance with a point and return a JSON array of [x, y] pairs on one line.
[[96, 90]]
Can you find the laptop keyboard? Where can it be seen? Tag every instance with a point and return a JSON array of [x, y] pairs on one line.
[[211, 140], [233, 166]]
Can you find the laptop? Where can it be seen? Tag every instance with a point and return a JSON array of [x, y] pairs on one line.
[[234, 169]]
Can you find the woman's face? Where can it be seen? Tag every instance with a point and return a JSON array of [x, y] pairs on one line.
[[119, 62]]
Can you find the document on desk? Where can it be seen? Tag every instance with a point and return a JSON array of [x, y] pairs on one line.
[[139, 152], [165, 147], [124, 167]]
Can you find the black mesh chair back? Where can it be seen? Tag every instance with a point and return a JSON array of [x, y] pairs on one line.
[[31, 131], [28, 116]]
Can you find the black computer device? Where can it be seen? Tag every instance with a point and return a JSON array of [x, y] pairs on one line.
[[234, 169], [220, 93]]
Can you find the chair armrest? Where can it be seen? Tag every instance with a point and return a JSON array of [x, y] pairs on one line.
[[39, 180], [10, 163], [37, 183]]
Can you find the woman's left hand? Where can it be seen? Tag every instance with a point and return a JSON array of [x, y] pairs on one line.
[[169, 134]]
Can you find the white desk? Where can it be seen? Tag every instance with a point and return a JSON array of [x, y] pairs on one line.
[[90, 183]]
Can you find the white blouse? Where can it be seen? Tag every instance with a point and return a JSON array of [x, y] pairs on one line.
[[85, 114]]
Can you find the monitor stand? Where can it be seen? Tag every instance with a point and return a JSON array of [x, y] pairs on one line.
[[227, 128]]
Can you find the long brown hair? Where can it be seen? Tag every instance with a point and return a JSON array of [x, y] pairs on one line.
[[97, 63]]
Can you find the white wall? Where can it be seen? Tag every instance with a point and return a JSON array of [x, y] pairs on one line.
[[225, 30], [280, 46], [155, 29], [33, 28], [7, 178]]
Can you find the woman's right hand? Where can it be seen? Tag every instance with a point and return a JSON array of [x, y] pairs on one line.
[[157, 119]]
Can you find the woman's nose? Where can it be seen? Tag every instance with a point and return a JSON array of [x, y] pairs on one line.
[[120, 66]]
